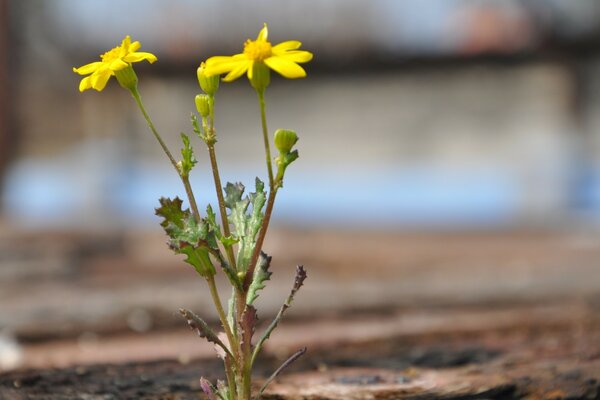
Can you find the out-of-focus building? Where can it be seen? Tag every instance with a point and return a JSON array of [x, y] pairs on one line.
[[443, 113]]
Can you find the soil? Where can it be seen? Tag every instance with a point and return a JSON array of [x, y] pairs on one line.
[[385, 316]]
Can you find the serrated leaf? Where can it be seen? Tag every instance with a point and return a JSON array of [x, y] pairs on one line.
[[188, 161], [246, 224], [233, 194], [261, 275], [202, 329], [187, 236]]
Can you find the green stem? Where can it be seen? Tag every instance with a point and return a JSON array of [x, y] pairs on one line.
[[263, 117], [184, 179], [222, 316], [217, 179], [261, 238]]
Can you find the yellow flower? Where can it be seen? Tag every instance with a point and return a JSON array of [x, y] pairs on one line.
[[113, 60], [282, 58]]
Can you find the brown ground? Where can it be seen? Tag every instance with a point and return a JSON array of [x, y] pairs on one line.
[[385, 316]]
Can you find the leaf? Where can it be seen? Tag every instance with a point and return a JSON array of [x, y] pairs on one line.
[[278, 371], [233, 194], [201, 328], [246, 224], [261, 274], [187, 236], [298, 282], [188, 161], [208, 389]]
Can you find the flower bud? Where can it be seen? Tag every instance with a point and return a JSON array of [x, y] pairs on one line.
[[127, 78], [210, 84], [285, 139], [261, 76], [202, 105]]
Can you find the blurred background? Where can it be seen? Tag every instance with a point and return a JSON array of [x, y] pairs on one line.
[[450, 146]]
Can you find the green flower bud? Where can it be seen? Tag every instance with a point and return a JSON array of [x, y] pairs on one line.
[[285, 139], [261, 76], [210, 84], [202, 105], [127, 78]]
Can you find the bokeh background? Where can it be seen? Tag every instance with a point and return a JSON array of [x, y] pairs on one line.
[[449, 150]]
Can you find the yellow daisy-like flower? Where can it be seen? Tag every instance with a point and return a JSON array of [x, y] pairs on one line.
[[282, 58], [113, 60]]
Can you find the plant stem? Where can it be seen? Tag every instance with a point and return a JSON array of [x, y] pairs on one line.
[[261, 237], [222, 316], [263, 117], [217, 179], [184, 179]]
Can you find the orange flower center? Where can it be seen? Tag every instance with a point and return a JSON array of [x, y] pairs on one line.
[[257, 50]]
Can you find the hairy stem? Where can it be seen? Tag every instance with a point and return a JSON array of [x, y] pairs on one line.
[[184, 179], [222, 316]]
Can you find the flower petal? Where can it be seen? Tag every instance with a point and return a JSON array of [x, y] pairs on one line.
[[133, 47], [287, 68], [220, 64], [85, 84], [285, 46], [126, 42], [98, 81], [298, 56], [238, 71], [263, 35], [140, 56], [117, 65], [88, 68]]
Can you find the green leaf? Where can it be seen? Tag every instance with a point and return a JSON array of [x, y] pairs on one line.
[[186, 236], [188, 161], [202, 329], [246, 223], [261, 274], [233, 194]]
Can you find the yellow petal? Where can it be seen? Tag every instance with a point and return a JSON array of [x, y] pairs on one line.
[[140, 56], [117, 65], [263, 34], [285, 46], [126, 42], [219, 65], [298, 56], [85, 84], [98, 81], [134, 47], [238, 71], [88, 68], [287, 68]]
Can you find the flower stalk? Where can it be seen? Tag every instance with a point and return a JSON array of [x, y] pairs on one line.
[[236, 244]]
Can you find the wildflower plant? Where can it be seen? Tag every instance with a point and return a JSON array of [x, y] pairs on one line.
[[232, 243]]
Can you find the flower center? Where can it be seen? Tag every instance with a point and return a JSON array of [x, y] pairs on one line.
[[257, 50], [111, 55]]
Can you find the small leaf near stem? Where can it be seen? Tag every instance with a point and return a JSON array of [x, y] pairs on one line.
[[298, 282], [283, 366], [202, 329]]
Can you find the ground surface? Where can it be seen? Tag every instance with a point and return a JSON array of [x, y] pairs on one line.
[[385, 316]]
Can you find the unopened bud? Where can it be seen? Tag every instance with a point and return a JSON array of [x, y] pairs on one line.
[[210, 84], [202, 105], [285, 139]]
